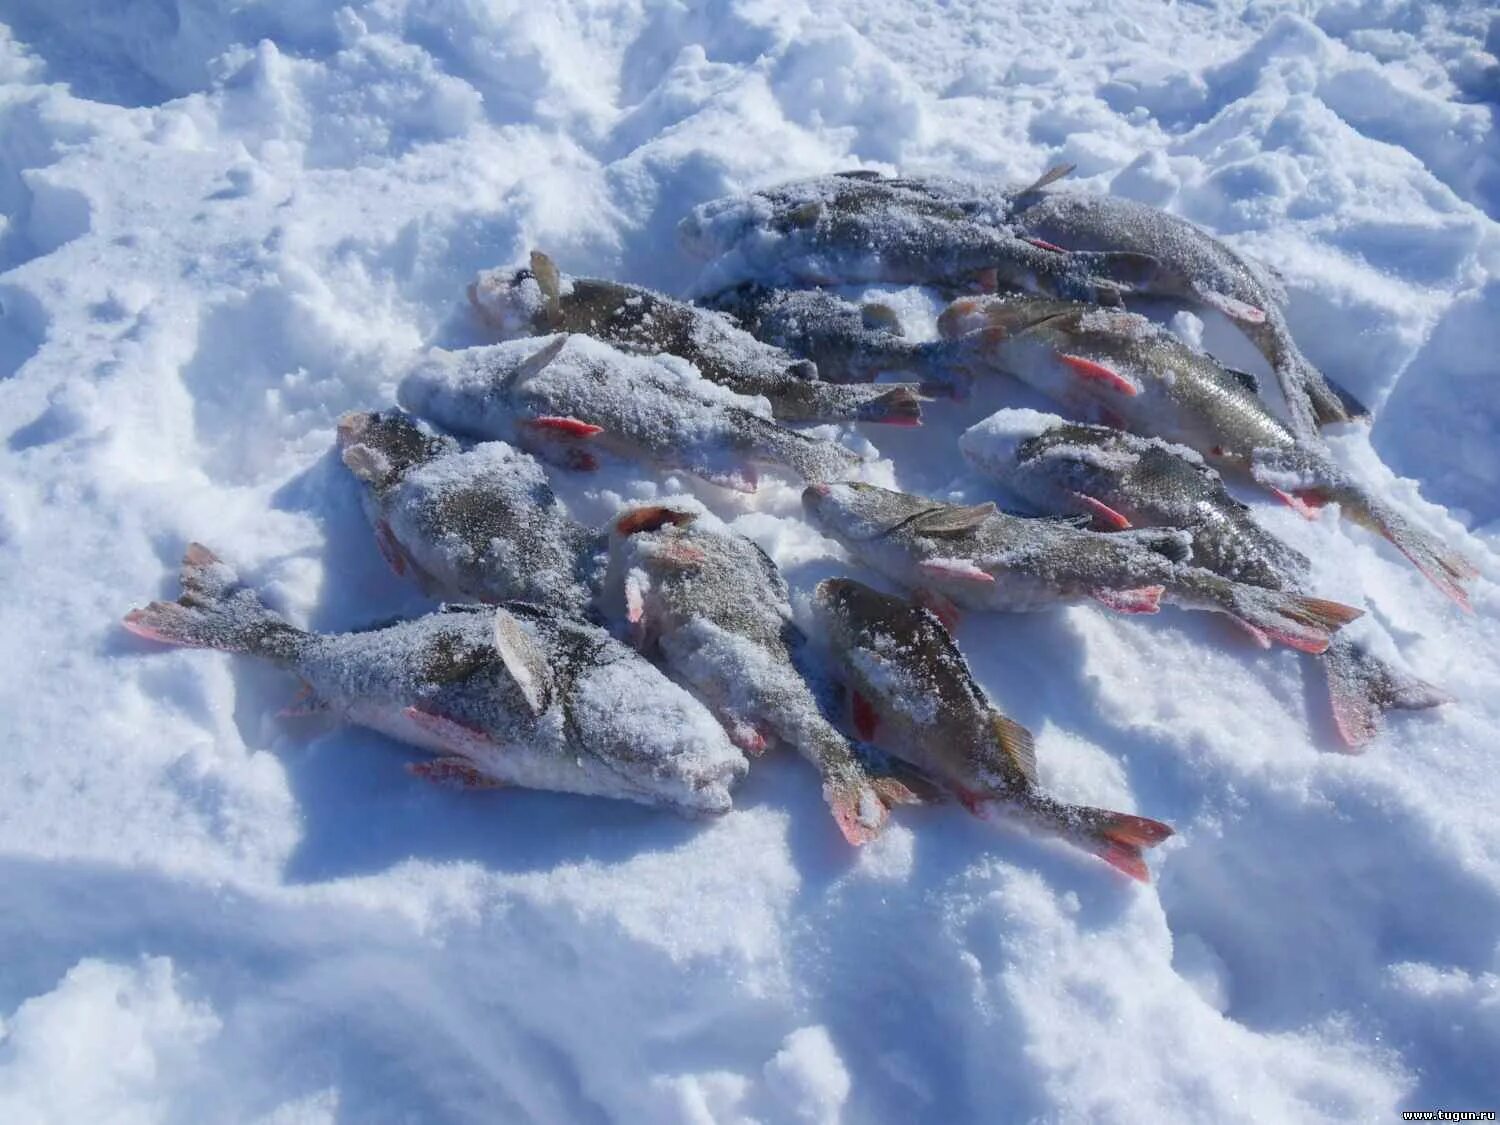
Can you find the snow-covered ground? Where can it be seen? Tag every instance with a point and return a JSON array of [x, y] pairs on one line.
[[223, 223]]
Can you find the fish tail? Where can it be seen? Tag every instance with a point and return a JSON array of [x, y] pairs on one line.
[[216, 610], [893, 404], [1119, 839], [1302, 383], [1362, 687], [1303, 623]]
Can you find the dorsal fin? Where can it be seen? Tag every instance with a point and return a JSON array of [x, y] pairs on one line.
[[949, 520], [860, 174], [880, 317], [540, 358], [805, 214], [1050, 176], [524, 660], [1244, 379], [547, 275], [1016, 744]]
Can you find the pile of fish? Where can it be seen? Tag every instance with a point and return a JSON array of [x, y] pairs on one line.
[[645, 659]]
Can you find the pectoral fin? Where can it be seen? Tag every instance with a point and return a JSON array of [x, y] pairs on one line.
[[524, 660]]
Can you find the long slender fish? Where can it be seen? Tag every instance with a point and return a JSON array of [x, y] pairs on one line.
[[516, 695], [567, 396], [850, 343], [980, 558], [1198, 268], [915, 697], [860, 227], [1121, 480], [1123, 370], [480, 525], [540, 300], [714, 609]]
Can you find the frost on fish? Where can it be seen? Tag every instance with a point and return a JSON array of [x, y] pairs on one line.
[[540, 299], [516, 695], [857, 227], [714, 609], [916, 698], [980, 558], [568, 398], [482, 524]]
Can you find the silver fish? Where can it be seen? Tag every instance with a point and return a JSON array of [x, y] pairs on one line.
[[480, 525], [714, 609], [915, 697], [565, 397], [979, 558], [517, 695], [540, 300], [1122, 480], [860, 227], [1195, 267], [1123, 370]]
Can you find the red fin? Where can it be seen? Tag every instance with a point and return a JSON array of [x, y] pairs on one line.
[[1142, 831], [651, 517], [390, 550], [449, 732], [866, 719], [1103, 512], [746, 737], [1231, 307], [458, 772], [1098, 372], [1305, 504], [1043, 244], [1145, 599], [572, 427], [955, 569], [940, 607], [1123, 857], [894, 792], [303, 704]]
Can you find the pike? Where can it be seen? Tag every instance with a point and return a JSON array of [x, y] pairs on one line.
[[517, 695], [915, 697]]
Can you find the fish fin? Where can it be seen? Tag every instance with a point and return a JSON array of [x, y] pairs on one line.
[[367, 464], [1305, 624], [304, 704], [549, 279], [216, 610], [390, 548], [1047, 178], [567, 427], [652, 517], [1119, 839], [901, 405], [455, 772], [540, 358], [746, 736], [1304, 503], [459, 737], [524, 660], [1144, 599], [738, 478], [858, 807], [940, 607], [863, 716], [805, 215], [877, 316], [1097, 372], [1246, 379], [955, 570], [1362, 687], [1103, 513], [1043, 244], [1017, 744], [1231, 307], [950, 520]]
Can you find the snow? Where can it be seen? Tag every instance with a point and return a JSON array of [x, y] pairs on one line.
[[226, 224]]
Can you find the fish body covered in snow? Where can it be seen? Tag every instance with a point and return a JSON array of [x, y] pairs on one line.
[[516, 695], [480, 525], [861, 227], [915, 697], [1123, 370], [714, 609], [1198, 268], [540, 300], [980, 558], [1121, 480], [850, 343], [566, 397]]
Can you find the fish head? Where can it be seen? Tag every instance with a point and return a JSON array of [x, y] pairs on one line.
[[1003, 317], [513, 302], [841, 604], [857, 512], [382, 446]]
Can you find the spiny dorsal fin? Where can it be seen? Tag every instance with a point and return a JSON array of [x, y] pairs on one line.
[[525, 662], [1016, 744], [1244, 379], [549, 278], [540, 358], [1050, 176], [950, 520]]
